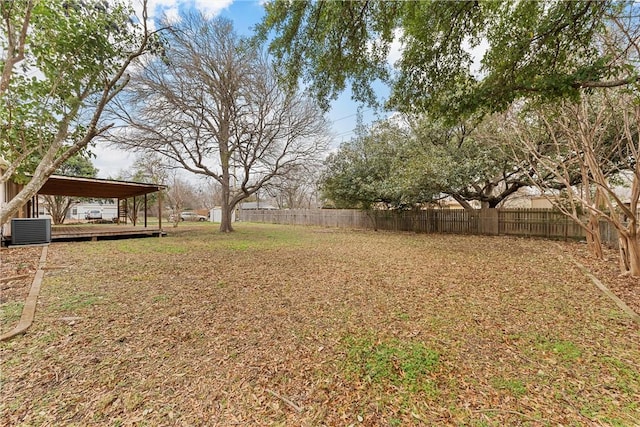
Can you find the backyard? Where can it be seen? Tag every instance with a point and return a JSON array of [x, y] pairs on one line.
[[305, 326]]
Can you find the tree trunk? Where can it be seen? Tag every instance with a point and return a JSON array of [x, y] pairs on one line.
[[634, 256], [629, 254], [227, 215], [463, 202], [21, 199], [594, 240], [624, 254], [225, 221], [372, 214], [176, 214]]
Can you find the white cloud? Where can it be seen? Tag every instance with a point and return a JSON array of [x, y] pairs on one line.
[[172, 14], [212, 7], [396, 48], [111, 161], [477, 53], [170, 8], [155, 8]]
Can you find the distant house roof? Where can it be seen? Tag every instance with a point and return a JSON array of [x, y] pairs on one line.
[[60, 185], [256, 205]]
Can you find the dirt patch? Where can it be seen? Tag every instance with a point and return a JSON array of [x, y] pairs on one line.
[[277, 325]]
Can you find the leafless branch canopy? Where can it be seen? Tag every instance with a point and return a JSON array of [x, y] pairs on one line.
[[213, 105]]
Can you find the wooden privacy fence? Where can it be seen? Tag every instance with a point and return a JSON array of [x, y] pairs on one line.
[[515, 222], [538, 222]]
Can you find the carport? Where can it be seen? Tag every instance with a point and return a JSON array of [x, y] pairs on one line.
[[73, 186]]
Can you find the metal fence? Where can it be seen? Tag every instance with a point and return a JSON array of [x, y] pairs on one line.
[[545, 223]]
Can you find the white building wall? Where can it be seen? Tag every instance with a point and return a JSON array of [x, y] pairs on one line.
[[215, 215]]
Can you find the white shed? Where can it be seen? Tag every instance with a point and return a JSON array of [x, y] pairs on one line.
[[215, 215]]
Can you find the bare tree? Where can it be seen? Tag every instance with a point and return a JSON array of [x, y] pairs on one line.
[[598, 138], [297, 190], [213, 105], [210, 194], [585, 146], [180, 194], [152, 168], [538, 143]]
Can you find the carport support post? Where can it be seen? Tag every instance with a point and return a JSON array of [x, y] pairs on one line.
[[145, 210], [160, 214]]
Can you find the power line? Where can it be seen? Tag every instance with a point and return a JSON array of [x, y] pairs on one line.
[[345, 133], [352, 115]]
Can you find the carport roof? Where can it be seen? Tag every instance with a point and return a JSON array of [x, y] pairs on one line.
[[60, 185]]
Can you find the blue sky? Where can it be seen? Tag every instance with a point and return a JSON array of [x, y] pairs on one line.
[[245, 14]]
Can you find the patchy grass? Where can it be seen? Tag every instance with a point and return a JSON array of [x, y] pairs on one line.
[[391, 364], [516, 387], [77, 302], [565, 350], [276, 325], [10, 313]]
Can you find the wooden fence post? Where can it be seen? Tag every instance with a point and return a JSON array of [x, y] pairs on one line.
[[488, 221]]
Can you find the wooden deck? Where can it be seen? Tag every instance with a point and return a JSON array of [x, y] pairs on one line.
[[102, 232]]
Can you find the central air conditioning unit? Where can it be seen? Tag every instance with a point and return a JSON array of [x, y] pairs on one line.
[[30, 231]]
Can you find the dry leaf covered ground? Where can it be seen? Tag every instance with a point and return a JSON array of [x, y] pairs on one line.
[[275, 325]]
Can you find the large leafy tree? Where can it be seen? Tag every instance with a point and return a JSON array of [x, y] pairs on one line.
[[370, 171], [212, 105], [62, 62], [457, 161], [480, 161], [534, 49], [402, 164]]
